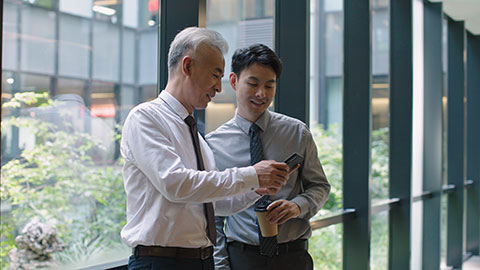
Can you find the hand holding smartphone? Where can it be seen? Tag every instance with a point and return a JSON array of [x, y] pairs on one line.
[[293, 160]]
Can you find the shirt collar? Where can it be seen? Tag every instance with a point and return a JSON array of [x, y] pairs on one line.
[[244, 124], [174, 104]]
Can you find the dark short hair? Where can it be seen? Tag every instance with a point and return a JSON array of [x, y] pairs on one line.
[[256, 53]]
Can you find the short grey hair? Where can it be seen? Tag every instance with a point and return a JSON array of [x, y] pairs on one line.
[[189, 39]]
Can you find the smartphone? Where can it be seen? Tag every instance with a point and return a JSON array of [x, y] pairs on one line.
[[293, 160]]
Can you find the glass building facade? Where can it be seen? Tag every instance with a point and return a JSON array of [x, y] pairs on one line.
[[72, 70]]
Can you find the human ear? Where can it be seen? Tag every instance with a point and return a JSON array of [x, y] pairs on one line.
[[233, 80], [187, 63]]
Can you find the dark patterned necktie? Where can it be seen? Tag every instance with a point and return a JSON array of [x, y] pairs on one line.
[[208, 207], [268, 245]]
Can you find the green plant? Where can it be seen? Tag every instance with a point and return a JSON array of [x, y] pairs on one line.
[[58, 181], [326, 243]]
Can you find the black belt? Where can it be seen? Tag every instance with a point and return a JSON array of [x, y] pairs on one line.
[[174, 252], [283, 248]]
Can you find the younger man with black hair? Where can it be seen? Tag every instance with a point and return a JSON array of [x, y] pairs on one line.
[[254, 134]]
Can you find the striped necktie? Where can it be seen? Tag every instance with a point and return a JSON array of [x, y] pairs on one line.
[[268, 245], [208, 207]]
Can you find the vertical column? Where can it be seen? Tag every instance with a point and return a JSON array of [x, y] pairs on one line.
[[356, 132], [432, 146], [455, 141], [174, 16], [401, 106], [473, 143], [292, 46]]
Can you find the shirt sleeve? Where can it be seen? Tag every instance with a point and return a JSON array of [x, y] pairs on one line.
[[236, 204], [149, 147], [314, 182], [220, 252]]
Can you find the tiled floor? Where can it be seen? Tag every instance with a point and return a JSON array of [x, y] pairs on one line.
[[472, 264]]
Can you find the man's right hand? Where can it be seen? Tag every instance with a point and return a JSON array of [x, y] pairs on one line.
[[272, 175]]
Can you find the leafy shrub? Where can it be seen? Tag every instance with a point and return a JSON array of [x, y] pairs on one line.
[[58, 181], [325, 245]]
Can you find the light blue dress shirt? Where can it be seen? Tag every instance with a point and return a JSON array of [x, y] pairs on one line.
[[307, 187]]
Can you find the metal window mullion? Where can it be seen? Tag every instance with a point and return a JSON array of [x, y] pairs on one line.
[[357, 93], [400, 154], [292, 46], [170, 23], [473, 144], [455, 140]]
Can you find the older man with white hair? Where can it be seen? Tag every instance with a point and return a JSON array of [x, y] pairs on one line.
[[172, 187]]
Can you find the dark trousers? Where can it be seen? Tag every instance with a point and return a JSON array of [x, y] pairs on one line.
[[245, 259], [162, 263]]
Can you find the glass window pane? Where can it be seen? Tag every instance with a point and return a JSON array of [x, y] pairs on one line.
[[37, 40], [333, 5], [221, 11], [148, 13], [68, 151], [380, 101], [128, 99], [379, 242], [105, 51], [325, 247], [107, 11], [333, 23], [380, 136], [128, 54], [239, 33], [130, 12], [326, 107], [147, 52], [443, 232], [380, 39], [41, 3], [8, 82], [103, 112], [326, 98], [148, 92], [74, 46], [10, 34], [81, 8], [70, 86], [34, 83]]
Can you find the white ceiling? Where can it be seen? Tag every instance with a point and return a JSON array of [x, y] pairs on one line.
[[464, 10]]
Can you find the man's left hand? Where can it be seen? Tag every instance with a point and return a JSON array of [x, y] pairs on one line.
[[282, 210]]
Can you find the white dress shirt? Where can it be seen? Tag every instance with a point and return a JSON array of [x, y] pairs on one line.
[[165, 192]]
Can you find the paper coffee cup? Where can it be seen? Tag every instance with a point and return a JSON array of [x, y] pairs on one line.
[[266, 228]]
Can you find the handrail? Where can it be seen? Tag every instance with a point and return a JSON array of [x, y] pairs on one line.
[[469, 183], [384, 205], [448, 188], [378, 207], [334, 218], [425, 195], [445, 190]]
